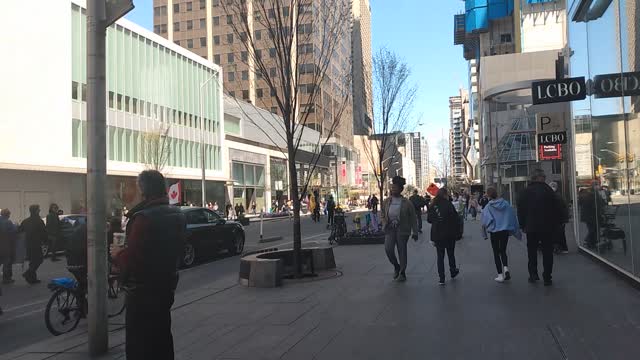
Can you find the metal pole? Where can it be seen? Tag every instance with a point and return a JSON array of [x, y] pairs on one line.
[[337, 181], [96, 177], [202, 152], [261, 221]]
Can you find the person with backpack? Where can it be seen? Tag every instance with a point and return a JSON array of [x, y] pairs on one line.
[[445, 230], [399, 222], [499, 221]]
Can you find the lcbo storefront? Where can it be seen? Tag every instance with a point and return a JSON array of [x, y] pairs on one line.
[[604, 40]]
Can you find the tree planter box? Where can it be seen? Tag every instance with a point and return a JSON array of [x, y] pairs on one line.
[[267, 269], [244, 221]]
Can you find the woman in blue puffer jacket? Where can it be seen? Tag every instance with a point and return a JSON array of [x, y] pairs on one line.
[[499, 221]]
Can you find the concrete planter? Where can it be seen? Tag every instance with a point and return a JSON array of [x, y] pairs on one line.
[[267, 269]]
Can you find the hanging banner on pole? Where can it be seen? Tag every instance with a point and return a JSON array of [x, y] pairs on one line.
[[116, 9]]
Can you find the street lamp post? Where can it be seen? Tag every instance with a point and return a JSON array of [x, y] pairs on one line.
[[202, 152]]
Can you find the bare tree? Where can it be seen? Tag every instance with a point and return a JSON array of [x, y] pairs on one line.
[[394, 97], [155, 150], [291, 47]]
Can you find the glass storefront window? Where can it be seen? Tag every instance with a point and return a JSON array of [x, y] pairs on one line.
[[237, 170], [607, 136], [249, 175]]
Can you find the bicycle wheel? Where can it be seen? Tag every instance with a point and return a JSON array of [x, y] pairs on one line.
[[115, 299], [63, 312]]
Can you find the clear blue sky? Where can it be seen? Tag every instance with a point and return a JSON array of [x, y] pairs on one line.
[[419, 31]]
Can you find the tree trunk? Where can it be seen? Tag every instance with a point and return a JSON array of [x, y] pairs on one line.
[[295, 197]]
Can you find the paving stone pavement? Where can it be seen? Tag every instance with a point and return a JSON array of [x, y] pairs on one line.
[[589, 313]]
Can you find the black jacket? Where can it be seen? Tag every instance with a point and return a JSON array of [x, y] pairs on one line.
[[538, 209], [8, 235], [417, 201], [35, 236], [445, 223], [53, 225]]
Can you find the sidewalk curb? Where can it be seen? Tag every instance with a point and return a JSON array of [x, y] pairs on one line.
[[269, 239]]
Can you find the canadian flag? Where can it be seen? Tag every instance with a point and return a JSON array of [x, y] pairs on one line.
[[174, 193]]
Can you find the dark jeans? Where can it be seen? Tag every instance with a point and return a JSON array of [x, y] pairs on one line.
[[592, 234], [148, 326], [35, 260], [533, 240], [7, 267], [499, 242], [419, 218], [391, 241], [330, 217], [53, 245], [450, 249]]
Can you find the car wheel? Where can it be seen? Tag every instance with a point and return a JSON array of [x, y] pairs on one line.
[[238, 244], [45, 249], [189, 257]]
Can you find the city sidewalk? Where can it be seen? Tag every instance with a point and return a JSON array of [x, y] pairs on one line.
[[589, 313]]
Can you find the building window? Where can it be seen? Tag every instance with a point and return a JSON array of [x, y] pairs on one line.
[[556, 167], [272, 14], [273, 92], [257, 15], [189, 24], [216, 59], [203, 42], [203, 4], [285, 11], [119, 102], [245, 75], [258, 54], [126, 103], [74, 90], [244, 56], [215, 3], [111, 99], [163, 28], [243, 37], [274, 110], [258, 35], [203, 23], [156, 29], [245, 94], [189, 6], [190, 43], [216, 40], [231, 76], [229, 38], [176, 26], [134, 105], [216, 21], [230, 58], [229, 19], [176, 8], [259, 93], [272, 53], [505, 38], [272, 72]]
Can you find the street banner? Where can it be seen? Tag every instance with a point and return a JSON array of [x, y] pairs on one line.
[[175, 194], [432, 189]]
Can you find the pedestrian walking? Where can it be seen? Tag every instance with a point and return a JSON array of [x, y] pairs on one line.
[[53, 230], [539, 217], [35, 236], [499, 221], [155, 238], [560, 236], [484, 200], [399, 222], [445, 229], [473, 207], [418, 204], [331, 210], [8, 238], [374, 204]]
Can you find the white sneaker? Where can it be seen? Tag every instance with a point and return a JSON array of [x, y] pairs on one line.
[[500, 278]]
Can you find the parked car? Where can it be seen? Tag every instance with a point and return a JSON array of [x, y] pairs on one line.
[[67, 222], [208, 234]]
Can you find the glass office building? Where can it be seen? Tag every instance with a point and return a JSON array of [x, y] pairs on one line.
[[604, 38]]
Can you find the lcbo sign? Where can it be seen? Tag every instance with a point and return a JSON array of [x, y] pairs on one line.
[[553, 138], [602, 86], [550, 128]]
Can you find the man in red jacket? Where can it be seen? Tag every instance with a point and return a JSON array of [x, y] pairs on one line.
[[149, 264]]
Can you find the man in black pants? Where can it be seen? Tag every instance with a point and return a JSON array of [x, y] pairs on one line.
[[539, 217], [418, 204], [155, 239]]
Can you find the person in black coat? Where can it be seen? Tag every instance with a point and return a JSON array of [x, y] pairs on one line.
[[53, 228], [8, 239], [540, 218], [418, 204], [445, 229], [35, 236]]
